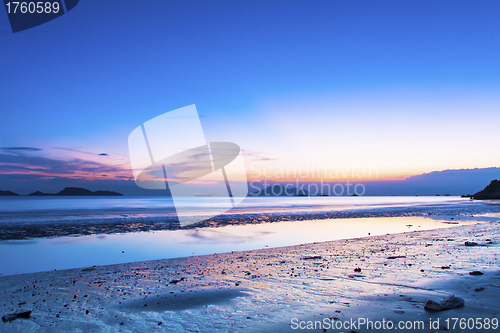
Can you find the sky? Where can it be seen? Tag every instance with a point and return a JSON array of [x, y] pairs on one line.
[[401, 88]]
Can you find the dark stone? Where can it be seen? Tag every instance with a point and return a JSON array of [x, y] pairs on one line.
[[13, 316], [450, 302]]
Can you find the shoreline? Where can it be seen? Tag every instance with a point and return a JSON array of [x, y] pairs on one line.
[[265, 289], [48, 254], [75, 227]]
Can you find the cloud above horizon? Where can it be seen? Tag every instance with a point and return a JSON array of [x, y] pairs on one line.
[[77, 150], [21, 148], [23, 164]]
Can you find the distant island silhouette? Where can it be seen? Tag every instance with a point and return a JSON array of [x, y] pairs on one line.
[[7, 193], [492, 191], [68, 191]]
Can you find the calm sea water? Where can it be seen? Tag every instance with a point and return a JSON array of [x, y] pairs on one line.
[[19, 209], [44, 254]]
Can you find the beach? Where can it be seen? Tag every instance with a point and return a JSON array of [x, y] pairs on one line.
[[377, 278]]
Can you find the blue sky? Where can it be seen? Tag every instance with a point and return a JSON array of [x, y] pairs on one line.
[[405, 86]]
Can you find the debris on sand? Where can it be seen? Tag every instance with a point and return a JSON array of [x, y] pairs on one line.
[[471, 244], [396, 257], [479, 289], [177, 281], [450, 302], [399, 310], [311, 258], [88, 269], [13, 316]]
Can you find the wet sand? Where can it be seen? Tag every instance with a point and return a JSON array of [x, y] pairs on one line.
[[386, 277]]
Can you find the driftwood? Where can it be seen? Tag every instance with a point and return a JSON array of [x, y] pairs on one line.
[[311, 258], [13, 316]]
